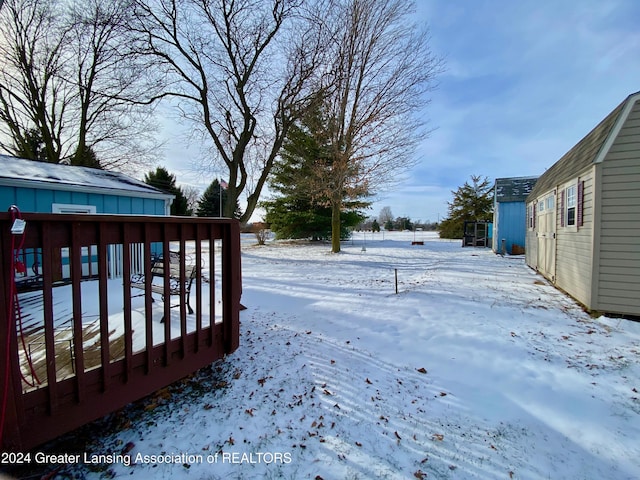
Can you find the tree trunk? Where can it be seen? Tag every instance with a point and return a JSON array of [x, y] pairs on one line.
[[336, 206]]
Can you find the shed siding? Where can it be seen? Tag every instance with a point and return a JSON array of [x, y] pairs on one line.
[[44, 200], [137, 205], [79, 198], [531, 251], [25, 196], [618, 259], [574, 247], [511, 225], [157, 208], [110, 204], [40, 200]]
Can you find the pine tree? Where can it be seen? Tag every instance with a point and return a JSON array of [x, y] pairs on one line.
[[209, 204], [303, 209], [87, 158], [472, 201], [163, 180], [33, 146]]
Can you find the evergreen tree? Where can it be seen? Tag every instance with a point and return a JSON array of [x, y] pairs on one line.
[[32, 148], [163, 180], [87, 158], [375, 226], [403, 223], [209, 204], [472, 201], [303, 209]]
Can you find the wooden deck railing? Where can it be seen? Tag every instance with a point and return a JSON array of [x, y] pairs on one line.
[[81, 344]]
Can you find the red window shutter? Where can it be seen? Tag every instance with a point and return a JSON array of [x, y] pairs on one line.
[[562, 209], [580, 206]]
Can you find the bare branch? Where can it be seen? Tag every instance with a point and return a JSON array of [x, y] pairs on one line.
[[66, 83], [373, 92], [227, 61]]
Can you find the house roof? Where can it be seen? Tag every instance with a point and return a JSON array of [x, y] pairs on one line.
[[18, 172], [587, 151], [515, 189]]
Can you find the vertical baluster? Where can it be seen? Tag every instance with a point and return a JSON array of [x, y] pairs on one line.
[[47, 305], [103, 260], [126, 299], [198, 281], [75, 258]]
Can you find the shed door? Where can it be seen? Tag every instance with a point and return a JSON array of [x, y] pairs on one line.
[[546, 233]]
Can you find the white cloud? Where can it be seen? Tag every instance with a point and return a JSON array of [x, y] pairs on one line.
[[525, 81]]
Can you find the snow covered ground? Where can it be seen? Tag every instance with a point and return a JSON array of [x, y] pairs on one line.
[[477, 368]]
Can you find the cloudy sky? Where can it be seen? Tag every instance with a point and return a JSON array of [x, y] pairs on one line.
[[524, 82]]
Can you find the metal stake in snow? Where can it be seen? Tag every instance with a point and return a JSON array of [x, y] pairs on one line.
[[396, 272]]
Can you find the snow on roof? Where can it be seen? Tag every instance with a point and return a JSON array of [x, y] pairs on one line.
[[515, 189], [20, 172]]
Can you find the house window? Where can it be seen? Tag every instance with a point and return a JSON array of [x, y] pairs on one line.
[[570, 205], [541, 206]]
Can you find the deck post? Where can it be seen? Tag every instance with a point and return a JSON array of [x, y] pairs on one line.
[[10, 437], [232, 286]]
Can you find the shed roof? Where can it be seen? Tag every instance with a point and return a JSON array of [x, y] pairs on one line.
[[515, 189], [18, 172], [584, 153]]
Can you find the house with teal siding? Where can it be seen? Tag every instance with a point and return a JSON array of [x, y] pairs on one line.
[[41, 187], [55, 188], [509, 213]]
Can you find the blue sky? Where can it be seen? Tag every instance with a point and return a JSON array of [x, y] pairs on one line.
[[524, 82]]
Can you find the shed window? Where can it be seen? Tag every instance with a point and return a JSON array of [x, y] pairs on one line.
[[550, 202], [570, 203], [531, 215]]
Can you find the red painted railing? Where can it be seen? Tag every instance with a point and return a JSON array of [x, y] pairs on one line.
[[81, 341]]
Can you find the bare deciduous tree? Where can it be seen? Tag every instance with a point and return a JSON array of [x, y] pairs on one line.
[[64, 83], [240, 70], [192, 194], [107, 122], [382, 71], [385, 215], [33, 94]]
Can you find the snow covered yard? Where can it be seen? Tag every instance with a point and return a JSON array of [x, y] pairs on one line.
[[476, 369]]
